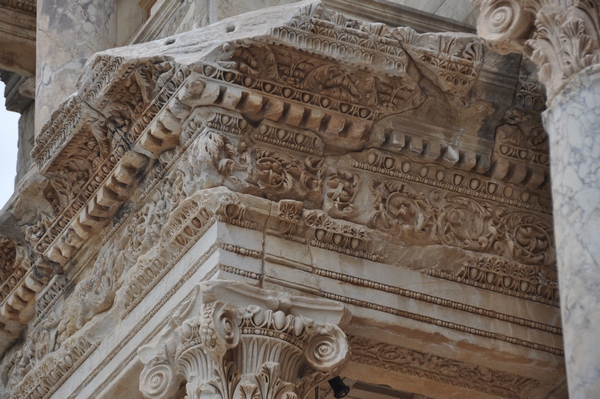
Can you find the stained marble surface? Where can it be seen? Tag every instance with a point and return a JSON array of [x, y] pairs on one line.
[[573, 123], [68, 32]]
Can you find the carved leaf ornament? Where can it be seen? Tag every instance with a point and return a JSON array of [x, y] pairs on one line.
[[228, 351], [561, 37]]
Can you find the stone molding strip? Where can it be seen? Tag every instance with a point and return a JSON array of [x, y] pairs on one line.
[[491, 287], [474, 186], [442, 323], [28, 7], [439, 301]]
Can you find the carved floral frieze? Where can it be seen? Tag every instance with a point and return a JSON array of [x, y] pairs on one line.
[[404, 360], [533, 283]]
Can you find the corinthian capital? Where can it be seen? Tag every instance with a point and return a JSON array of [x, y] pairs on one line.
[[236, 341], [561, 36]]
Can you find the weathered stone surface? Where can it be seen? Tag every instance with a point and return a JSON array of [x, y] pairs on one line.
[[68, 33], [295, 165], [17, 36]]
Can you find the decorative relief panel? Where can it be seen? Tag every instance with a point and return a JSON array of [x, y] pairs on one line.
[[533, 283], [437, 368]]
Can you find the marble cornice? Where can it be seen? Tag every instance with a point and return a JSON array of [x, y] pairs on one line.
[[128, 111], [562, 37]]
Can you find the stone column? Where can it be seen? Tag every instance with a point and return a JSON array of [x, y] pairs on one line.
[[573, 125], [562, 38], [68, 33], [237, 341]]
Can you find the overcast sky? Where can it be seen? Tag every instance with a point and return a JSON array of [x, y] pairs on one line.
[[8, 150]]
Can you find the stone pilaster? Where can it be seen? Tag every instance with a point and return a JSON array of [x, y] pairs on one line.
[[563, 39], [68, 33], [237, 341]]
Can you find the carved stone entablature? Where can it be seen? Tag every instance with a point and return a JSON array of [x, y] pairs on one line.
[[236, 341], [452, 62], [294, 79], [26, 381], [396, 358], [24, 6], [520, 153], [529, 282], [18, 282], [561, 37], [272, 129], [439, 175], [95, 133]]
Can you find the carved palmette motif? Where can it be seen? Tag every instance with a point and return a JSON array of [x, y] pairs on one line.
[[337, 235], [232, 351], [530, 282], [290, 214]]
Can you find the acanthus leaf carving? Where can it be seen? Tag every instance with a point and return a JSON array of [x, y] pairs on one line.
[[234, 350], [561, 37], [401, 208], [285, 177]]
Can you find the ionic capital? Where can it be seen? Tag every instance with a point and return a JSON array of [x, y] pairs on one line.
[[231, 340], [561, 37]]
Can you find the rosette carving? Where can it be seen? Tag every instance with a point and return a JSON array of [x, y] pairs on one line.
[[257, 347]]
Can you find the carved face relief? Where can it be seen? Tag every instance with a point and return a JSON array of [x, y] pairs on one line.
[[340, 193]]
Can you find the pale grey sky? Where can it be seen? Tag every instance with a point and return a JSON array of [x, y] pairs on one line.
[[8, 150]]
